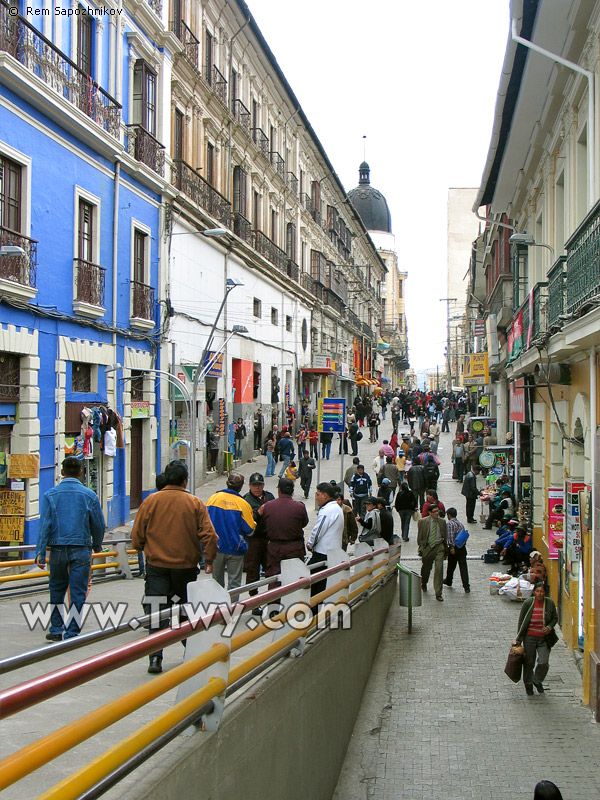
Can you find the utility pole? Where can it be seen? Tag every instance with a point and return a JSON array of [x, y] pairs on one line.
[[448, 300]]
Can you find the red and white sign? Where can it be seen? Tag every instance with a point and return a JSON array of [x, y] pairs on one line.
[[517, 400], [556, 520]]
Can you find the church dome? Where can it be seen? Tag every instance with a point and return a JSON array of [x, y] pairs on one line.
[[370, 204]]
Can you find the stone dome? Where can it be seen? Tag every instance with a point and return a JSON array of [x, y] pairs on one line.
[[369, 203]]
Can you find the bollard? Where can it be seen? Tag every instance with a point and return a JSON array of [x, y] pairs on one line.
[[409, 591]]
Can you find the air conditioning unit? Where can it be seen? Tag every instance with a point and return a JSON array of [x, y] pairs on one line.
[[552, 373]]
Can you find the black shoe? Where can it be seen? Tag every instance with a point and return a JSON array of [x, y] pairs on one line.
[[467, 590], [155, 666], [529, 690], [424, 587], [257, 612], [54, 637], [472, 521], [446, 583], [539, 687]]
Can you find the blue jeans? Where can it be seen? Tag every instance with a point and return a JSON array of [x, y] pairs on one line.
[[270, 464], [238, 448], [284, 465], [326, 450], [69, 568]]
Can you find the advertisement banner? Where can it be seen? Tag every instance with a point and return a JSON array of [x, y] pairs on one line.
[[515, 336], [555, 515], [477, 371], [530, 325], [140, 409], [222, 415], [573, 525], [517, 401]]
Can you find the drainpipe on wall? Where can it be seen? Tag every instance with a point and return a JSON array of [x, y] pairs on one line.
[[115, 262], [594, 426], [591, 104]]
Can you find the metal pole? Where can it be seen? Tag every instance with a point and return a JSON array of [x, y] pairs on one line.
[[172, 395]]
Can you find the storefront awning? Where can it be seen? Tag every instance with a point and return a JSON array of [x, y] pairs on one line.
[[318, 371]]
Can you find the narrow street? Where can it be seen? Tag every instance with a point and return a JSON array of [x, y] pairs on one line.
[[440, 719]]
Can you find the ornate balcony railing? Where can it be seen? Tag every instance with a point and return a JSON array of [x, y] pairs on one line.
[[540, 309], [583, 262], [90, 282], [368, 332], [215, 79], [37, 54], [292, 183], [306, 202], [242, 227], [318, 267], [278, 164], [293, 270], [307, 282], [156, 6], [242, 115], [19, 268], [187, 180], [191, 45], [353, 319], [557, 291], [261, 140], [145, 148], [330, 299], [142, 300], [267, 248]]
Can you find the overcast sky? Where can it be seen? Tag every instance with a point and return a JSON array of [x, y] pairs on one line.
[[419, 79]]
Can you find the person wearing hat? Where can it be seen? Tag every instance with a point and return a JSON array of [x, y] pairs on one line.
[[501, 507], [370, 521], [233, 520], [256, 554]]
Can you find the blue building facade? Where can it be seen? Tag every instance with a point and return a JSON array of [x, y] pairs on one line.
[[81, 186]]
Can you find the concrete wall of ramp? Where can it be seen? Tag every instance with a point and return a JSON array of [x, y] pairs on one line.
[[286, 735]]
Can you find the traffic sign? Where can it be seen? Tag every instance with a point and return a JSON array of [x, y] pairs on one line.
[[331, 415]]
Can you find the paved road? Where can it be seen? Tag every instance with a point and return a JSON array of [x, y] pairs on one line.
[[439, 718]]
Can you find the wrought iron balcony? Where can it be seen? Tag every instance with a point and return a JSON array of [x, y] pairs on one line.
[[318, 267], [293, 270], [156, 6], [307, 282], [292, 183], [278, 164], [216, 80], [267, 248], [368, 332], [38, 55], [242, 227], [583, 263], [187, 180], [90, 282], [20, 269], [557, 292], [331, 299], [261, 140], [142, 301], [145, 148], [306, 202], [191, 45], [540, 310], [353, 320], [242, 116]]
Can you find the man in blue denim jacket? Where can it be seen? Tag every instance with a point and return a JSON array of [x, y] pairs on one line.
[[71, 525]]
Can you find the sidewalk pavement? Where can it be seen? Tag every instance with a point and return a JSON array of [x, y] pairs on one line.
[[440, 719]]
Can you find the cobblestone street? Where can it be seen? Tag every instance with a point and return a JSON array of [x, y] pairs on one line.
[[440, 719]]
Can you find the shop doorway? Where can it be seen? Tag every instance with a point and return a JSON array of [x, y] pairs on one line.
[[135, 476]]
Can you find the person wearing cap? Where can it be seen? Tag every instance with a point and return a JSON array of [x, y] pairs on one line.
[[328, 531], [256, 554], [174, 529], [233, 520], [285, 520], [305, 472], [370, 521], [432, 544]]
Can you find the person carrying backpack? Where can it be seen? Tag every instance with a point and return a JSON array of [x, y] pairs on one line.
[[432, 472]]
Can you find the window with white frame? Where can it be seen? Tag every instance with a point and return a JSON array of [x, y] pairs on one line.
[[89, 275]]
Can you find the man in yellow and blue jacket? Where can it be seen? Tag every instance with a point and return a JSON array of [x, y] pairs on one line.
[[233, 520]]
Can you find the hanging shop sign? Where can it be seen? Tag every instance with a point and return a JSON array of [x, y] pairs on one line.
[[515, 336], [517, 401], [555, 516], [323, 362], [286, 395], [479, 328], [477, 370], [222, 416], [331, 415], [12, 504], [140, 409], [573, 524]]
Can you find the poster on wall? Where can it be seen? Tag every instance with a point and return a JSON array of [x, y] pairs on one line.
[[573, 525], [555, 535]]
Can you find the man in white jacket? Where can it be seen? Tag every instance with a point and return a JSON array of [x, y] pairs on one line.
[[328, 530]]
